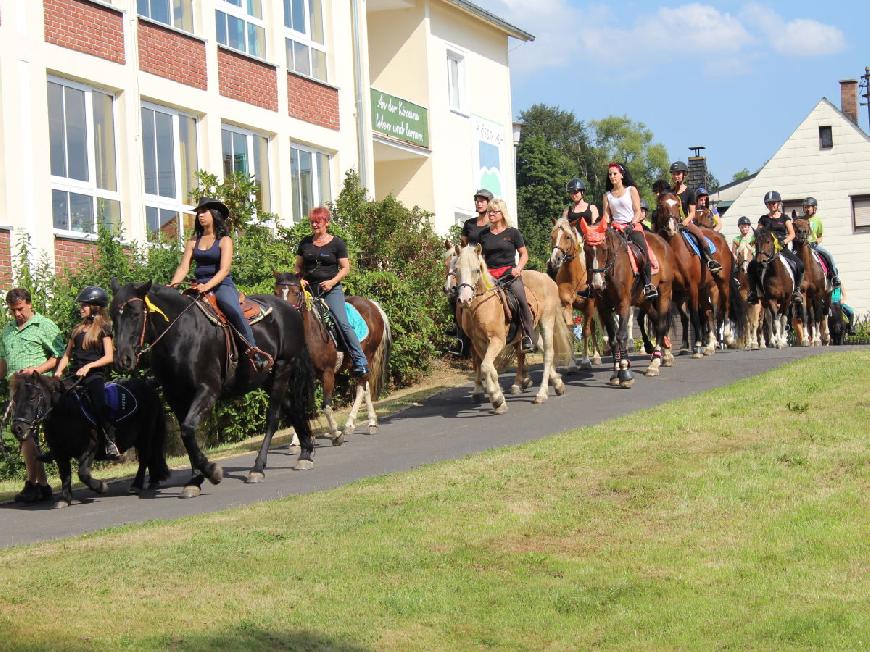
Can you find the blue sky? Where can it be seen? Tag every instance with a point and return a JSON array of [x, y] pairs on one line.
[[737, 77]]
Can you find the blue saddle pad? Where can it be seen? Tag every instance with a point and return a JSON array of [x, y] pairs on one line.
[[693, 243], [356, 321], [120, 403]]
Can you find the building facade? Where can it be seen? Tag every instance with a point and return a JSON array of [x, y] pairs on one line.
[[109, 107]]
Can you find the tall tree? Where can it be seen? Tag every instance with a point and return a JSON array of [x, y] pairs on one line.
[[740, 175]]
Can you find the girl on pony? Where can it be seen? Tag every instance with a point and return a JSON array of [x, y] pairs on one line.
[[679, 170], [703, 199], [779, 224], [88, 352], [747, 235], [501, 244]]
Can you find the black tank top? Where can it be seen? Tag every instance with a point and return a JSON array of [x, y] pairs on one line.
[[574, 216], [208, 261], [79, 356]]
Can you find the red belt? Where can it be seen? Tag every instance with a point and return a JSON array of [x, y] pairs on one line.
[[498, 272]]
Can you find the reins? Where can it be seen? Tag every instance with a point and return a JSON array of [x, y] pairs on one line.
[[150, 307]]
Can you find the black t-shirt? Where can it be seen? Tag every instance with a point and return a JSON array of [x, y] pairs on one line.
[[471, 231], [320, 263], [500, 250], [576, 216], [777, 226], [79, 356], [687, 198]]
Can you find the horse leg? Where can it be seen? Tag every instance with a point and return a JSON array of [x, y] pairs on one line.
[[546, 328], [64, 469], [478, 392], [490, 375], [592, 330], [516, 387], [350, 424], [202, 403], [327, 381], [370, 408], [568, 315], [84, 472], [624, 375], [684, 322], [610, 325], [280, 380]]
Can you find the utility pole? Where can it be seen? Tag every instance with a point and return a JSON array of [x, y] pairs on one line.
[[865, 85]]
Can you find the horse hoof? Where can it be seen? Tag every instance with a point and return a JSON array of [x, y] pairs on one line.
[[614, 381], [626, 384], [585, 365], [697, 355], [596, 360], [373, 429], [559, 389], [527, 382], [255, 477], [338, 440], [61, 504], [515, 389], [190, 491], [539, 399], [135, 489], [500, 408], [651, 371], [304, 465], [215, 473]]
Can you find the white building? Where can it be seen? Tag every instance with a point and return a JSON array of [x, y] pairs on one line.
[[827, 157], [108, 107]]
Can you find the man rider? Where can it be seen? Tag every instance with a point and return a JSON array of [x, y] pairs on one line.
[[473, 226]]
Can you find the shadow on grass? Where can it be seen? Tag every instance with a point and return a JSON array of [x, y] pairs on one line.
[[249, 637]]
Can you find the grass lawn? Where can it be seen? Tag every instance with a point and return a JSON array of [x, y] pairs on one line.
[[738, 518]]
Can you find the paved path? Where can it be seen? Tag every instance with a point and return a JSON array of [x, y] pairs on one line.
[[447, 426]]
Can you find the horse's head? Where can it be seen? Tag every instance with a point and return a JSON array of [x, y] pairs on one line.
[[450, 258], [765, 245], [470, 270], [667, 216], [288, 286], [595, 247], [801, 230], [744, 254], [129, 318], [32, 398], [564, 242]]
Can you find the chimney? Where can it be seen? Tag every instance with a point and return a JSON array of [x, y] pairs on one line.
[[849, 99]]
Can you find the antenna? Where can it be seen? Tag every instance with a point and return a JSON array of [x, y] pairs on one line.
[[865, 85]]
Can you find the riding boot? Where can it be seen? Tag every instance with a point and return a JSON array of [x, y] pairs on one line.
[[527, 343], [112, 452], [649, 290], [796, 296], [712, 264]]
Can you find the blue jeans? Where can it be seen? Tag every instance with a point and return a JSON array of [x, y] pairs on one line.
[[335, 300], [227, 296]]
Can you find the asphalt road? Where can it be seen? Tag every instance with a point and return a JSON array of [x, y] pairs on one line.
[[448, 426]]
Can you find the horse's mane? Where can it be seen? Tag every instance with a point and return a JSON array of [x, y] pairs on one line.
[[565, 223], [478, 260], [287, 278]]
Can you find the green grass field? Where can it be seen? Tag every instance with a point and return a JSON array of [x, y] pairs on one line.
[[734, 519]]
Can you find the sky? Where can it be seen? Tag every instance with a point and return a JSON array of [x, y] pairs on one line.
[[737, 77]]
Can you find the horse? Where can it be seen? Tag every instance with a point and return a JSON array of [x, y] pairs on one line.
[[750, 334], [70, 433], [837, 324], [328, 360], [616, 289], [192, 358], [814, 286], [570, 276], [777, 286], [483, 319], [694, 283]]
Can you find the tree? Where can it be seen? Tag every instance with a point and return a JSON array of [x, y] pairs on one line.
[[740, 175], [712, 183]]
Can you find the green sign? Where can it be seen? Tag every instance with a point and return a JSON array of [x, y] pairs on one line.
[[400, 119]]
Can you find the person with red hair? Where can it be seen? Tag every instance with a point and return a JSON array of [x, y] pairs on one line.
[[322, 262]]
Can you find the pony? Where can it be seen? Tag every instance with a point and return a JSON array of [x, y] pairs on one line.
[[570, 276], [328, 360], [53, 403], [777, 286], [817, 295], [837, 324], [750, 337], [192, 358], [616, 289], [483, 319]]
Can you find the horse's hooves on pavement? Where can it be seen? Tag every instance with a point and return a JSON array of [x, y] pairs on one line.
[[255, 477], [373, 429], [626, 384], [303, 465], [190, 491], [539, 399], [103, 488], [338, 440], [215, 474], [501, 409], [61, 504], [651, 372], [515, 389], [697, 356]]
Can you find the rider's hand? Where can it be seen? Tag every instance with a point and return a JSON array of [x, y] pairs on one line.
[[515, 271], [83, 371], [28, 370], [326, 286]]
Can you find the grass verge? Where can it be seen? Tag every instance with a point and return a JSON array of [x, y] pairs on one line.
[[737, 518]]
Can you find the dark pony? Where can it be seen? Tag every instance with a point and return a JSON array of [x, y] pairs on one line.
[[189, 356], [328, 361], [777, 286], [814, 285], [48, 401]]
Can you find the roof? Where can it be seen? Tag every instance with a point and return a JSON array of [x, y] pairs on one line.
[[492, 19], [725, 186]]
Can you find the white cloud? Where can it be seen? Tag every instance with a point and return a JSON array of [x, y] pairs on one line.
[[798, 37]]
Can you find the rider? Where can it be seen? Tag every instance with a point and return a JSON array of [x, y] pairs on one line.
[[622, 211], [322, 262], [816, 233], [88, 352], [646, 218], [679, 170], [579, 208], [839, 296], [501, 244], [703, 199], [472, 227], [211, 248], [747, 235], [779, 224]]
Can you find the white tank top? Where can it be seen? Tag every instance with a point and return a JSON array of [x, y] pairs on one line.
[[620, 207]]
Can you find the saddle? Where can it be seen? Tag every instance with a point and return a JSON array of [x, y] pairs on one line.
[[693, 244], [120, 403], [324, 316], [636, 257], [821, 261], [511, 307]]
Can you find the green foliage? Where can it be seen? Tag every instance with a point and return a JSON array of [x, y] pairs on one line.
[[740, 175]]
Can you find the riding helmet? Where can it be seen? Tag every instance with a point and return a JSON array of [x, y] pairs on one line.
[[679, 166], [643, 205], [574, 185], [93, 295], [701, 192], [744, 220], [810, 201], [771, 196]]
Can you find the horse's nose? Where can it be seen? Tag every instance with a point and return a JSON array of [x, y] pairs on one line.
[[18, 430], [124, 362]]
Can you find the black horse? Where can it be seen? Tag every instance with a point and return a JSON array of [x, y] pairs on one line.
[[188, 355], [48, 401]]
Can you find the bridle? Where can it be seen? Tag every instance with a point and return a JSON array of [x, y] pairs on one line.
[[567, 256], [33, 424], [141, 348], [285, 289]]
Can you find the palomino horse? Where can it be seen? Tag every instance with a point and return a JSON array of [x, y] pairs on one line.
[[616, 289], [189, 356], [777, 286], [750, 337], [329, 360], [482, 315], [566, 260], [817, 296], [693, 282]]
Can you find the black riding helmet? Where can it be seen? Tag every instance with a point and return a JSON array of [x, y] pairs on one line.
[[701, 192], [771, 196], [744, 220], [810, 201], [93, 295], [679, 166], [575, 185], [643, 205]]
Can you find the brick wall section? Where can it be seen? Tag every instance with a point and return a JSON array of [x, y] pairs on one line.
[[72, 255], [247, 80], [85, 27], [166, 53], [5, 260], [311, 101]]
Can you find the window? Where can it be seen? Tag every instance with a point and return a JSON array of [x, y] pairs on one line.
[[248, 153], [456, 82], [826, 138], [310, 180], [170, 163], [861, 213], [84, 182], [176, 13], [240, 26], [305, 42]]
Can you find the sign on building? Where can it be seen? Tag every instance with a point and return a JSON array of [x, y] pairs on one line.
[[488, 147], [400, 119]]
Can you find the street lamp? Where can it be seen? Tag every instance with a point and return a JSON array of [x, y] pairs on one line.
[[518, 130]]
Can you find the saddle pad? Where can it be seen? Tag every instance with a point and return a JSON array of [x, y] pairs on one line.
[[357, 323], [634, 255], [120, 403], [821, 261], [693, 243], [787, 264]]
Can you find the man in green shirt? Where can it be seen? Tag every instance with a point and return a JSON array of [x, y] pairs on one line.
[[31, 342], [816, 234]]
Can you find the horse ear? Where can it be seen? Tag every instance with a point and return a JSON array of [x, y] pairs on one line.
[[447, 244], [142, 288], [457, 249], [553, 220], [602, 226], [478, 248], [275, 274], [114, 285]]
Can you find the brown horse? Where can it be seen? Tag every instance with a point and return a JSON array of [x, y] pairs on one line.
[[567, 261], [704, 218], [616, 289], [777, 286], [328, 360], [814, 286], [750, 334]]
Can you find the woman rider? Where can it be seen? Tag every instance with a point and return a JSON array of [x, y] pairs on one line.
[[703, 199], [579, 208], [779, 224], [622, 210], [816, 235], [679, 170], [472, 227], [322, 262], [500, 244], [211, 248]]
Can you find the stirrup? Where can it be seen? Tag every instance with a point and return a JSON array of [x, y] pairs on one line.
[[835, 282], [260, 360], [585, 294], [527, 344], [457, 346], [650, 291], [714, 265]]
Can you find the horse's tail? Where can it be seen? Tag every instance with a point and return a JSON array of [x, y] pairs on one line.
[[563, 342], [737, 307], [380, 372], [299, 404]]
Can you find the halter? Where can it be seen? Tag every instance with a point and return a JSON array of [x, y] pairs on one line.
[[150, 307], [39, 419], [286, 286]]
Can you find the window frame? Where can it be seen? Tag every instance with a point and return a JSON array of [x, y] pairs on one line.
[[855, 227], [823, 142], [252, 159], [305, 38], [172, 21], [461, 107], [226, 7], [318, 197], [89, 187]]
